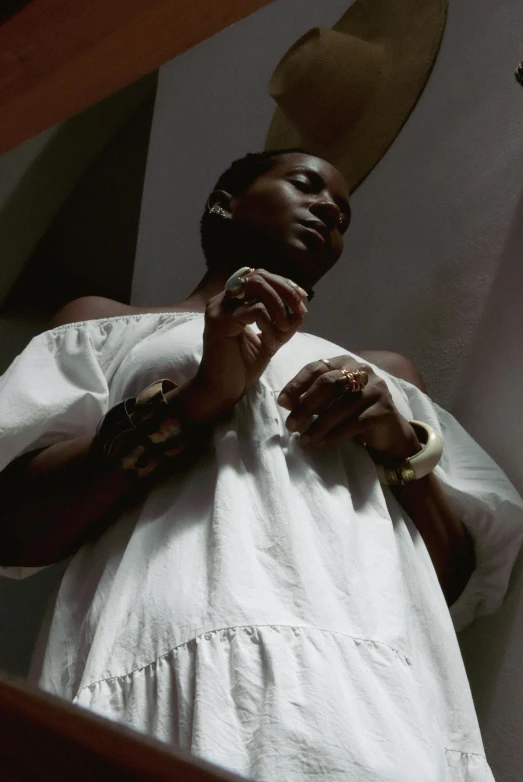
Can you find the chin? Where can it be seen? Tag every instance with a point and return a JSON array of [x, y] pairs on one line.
[[294, 268], [303, 266], [292, 259]]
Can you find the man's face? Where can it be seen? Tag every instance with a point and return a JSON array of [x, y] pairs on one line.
[[297, 214]]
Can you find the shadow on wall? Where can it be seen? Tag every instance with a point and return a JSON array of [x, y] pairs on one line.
[[489, 406], [495, 644], [22, 608], [488, 401]]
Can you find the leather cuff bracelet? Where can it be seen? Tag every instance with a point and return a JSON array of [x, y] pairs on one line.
[[137, 435]]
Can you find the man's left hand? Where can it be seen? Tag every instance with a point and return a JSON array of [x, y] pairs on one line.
[[368, 415]]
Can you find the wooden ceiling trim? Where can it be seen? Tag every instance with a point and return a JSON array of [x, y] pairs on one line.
[[52, 177], [58, 57]]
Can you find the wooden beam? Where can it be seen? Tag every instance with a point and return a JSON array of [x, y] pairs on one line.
[[48, 739], [29, 210], [58, 57]]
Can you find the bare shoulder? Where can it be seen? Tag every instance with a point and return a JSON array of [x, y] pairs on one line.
[[395, 364], [89, 308]]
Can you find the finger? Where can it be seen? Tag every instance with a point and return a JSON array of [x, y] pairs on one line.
[[221, 315], [284, 285], [273, 338], [345, 412], [290, 292], [291, 393], [322, 393], [232, 317], [278, 294], [258, 288], [257, 313], [294, 324], [269, 342], [349, 430], [300, 383]]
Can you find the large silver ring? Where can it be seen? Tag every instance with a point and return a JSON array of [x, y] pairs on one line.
[[353, 381], [235, 285], [327, 363]]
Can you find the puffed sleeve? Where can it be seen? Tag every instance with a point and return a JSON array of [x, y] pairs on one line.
[[486, 501], [54, 390]]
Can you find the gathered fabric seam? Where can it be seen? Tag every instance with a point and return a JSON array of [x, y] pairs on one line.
[[240, 627], [123, 317], [472, 754]]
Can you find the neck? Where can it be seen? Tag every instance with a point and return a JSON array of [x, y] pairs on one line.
[[211, 284]]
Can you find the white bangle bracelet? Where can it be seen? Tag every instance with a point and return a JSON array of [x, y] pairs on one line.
[[415, 467]]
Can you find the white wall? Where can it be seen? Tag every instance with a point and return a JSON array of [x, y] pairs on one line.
[[434, 259], [211, 107], [489, 404]]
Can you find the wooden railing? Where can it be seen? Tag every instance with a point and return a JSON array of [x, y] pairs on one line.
[[46, 739], [58, 57]]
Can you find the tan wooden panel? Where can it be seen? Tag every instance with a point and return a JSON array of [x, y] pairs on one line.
[[58, 57]]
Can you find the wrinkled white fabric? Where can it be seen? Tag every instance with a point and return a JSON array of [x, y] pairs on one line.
[[271, 609]]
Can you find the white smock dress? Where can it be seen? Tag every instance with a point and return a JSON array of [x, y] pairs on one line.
[[271, 609]]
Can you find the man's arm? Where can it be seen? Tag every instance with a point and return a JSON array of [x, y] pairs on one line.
[[447, 541]]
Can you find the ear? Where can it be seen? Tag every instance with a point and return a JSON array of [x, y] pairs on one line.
[[220, 198]]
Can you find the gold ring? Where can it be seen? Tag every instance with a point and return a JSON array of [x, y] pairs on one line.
[[235, 285], [327, 363], [353, 381]]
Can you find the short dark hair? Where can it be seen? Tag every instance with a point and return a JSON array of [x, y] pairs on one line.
[[235, 180]]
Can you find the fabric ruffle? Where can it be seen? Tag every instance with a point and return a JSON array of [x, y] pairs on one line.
[[279, 702]]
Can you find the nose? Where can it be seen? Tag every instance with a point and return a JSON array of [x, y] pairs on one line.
[[326, 210]]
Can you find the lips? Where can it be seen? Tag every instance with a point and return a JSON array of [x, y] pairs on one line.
[[318, 228]]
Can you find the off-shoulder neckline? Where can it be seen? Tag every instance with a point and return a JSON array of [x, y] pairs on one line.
[[130, 316]]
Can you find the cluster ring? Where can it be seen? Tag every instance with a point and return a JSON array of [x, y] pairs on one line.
[[353, 381]]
